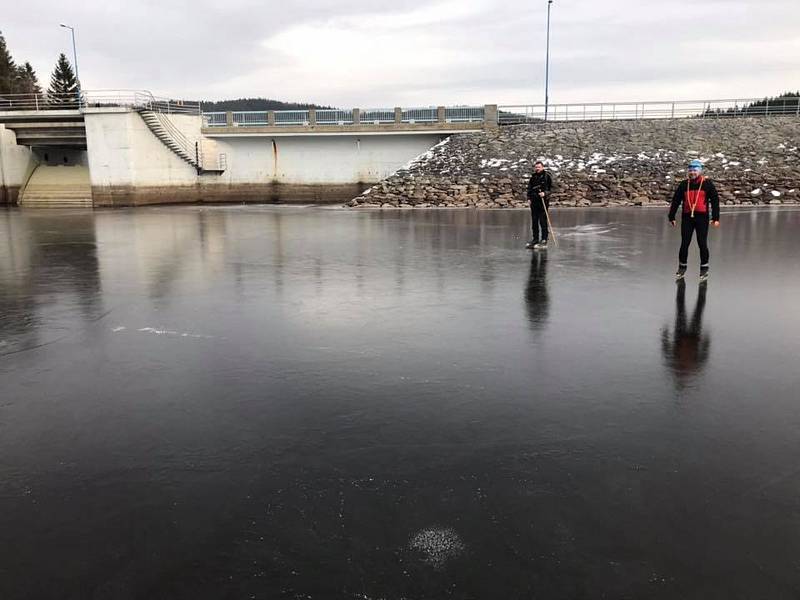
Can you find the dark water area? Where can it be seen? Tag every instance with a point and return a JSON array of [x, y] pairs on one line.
[[272, 402]]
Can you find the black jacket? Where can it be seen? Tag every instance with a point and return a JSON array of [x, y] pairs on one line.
[[704, 194], [540, 182]]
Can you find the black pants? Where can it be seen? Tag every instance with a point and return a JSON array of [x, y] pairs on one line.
[[538, 220], [689, 225]]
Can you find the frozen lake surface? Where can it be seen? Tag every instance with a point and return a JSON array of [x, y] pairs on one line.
[[273, 402]]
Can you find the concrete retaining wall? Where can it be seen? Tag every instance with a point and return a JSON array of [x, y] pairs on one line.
[[130, 166], [16, 165]]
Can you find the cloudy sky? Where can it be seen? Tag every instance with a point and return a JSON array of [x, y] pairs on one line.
[[372, 53]]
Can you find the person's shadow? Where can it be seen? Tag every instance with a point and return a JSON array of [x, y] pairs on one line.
[[537, 300], [686, 350]]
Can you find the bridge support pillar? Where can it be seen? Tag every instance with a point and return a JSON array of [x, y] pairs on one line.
[[490, 116]]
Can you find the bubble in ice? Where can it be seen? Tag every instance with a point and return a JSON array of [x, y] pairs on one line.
[[438, 545]]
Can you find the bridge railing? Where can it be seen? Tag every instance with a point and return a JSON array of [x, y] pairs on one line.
[[137, 99], [326, 116], [377, 116], [464, 114], [614, 111], [40, 101], [338, 116]]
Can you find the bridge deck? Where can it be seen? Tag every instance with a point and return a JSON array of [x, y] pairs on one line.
[[362, 129]]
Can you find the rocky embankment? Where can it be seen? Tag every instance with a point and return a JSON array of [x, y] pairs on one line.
[[612, 163]]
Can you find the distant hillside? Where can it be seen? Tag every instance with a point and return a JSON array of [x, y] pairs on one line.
[[245, 104]]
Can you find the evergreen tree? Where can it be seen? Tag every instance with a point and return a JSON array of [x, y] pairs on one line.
[[8, 70], [27, 82], [63, 84]]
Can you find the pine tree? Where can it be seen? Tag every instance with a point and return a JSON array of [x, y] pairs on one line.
[[63, 84], [27, 82], [8, 70]]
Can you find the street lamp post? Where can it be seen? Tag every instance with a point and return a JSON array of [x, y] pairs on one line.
[[547, 64], [75, 60]]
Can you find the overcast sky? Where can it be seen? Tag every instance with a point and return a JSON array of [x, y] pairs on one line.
[[374, 53]]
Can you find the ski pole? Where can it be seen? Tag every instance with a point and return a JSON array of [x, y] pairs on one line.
[[549, 223]]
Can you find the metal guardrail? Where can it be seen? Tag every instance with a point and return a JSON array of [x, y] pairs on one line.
[[613, 111], [419, 115], [464, 114], [214, 119], [377, 116], [334, 116], [325, 116], [291, 117], [248, 118], [137, 99], [40, 102]]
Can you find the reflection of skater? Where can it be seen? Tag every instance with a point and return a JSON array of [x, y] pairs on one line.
[[687, 350], [537, 300], [539, 187], [699, 198]]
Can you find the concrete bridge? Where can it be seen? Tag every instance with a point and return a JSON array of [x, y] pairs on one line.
[[132, 148]]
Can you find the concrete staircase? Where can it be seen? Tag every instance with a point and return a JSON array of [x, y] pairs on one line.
[[170, 136], [58, 187]]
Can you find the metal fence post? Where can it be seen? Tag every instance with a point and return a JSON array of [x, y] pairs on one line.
[[673, 111], [356, 116], [271, 118], [229, 119], [398, 114], [766, 108], [312, 116], [440, 114]]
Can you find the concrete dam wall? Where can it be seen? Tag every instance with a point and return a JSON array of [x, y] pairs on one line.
[[753, 160]]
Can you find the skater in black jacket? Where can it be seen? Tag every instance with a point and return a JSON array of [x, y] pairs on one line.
[[539, 188]]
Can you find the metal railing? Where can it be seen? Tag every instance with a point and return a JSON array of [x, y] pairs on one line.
[[464, 114], [136, 99], [214, 119], [612, 111], [334, 116], [327, 117], [291, 117], [419, 115], [377, 116], [35, 102], [248, 118]]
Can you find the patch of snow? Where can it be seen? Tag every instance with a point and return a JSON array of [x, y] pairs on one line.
[[776, 193], [756, 192], [438, 545]]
